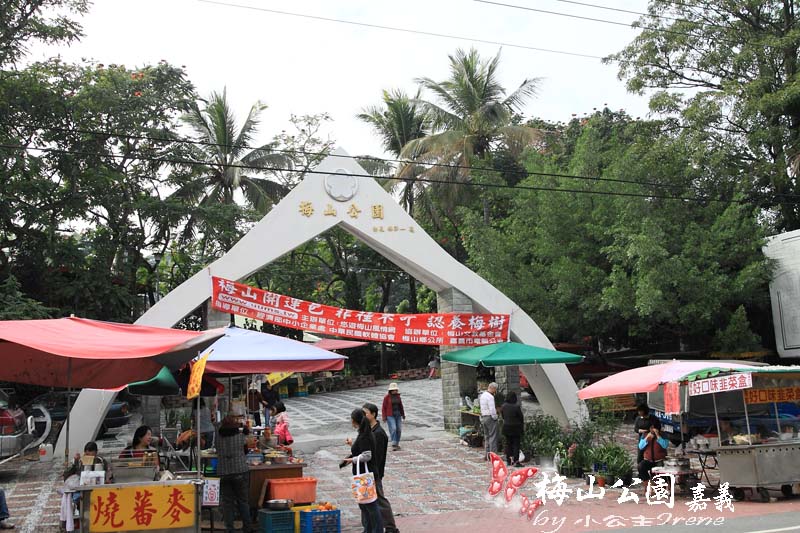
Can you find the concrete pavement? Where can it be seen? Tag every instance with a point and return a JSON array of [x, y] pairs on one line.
[[434, 483]]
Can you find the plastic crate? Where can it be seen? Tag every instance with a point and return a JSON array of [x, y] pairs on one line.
[[276, 521], [320, 521], [297, 509], [298, 489]]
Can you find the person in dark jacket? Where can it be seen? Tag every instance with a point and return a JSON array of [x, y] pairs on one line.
[[234, 474], [513, 424], [381, 446], [362, 450], [270, 397], [641, 426]]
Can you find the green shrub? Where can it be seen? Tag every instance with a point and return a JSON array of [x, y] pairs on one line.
[[543, 436]]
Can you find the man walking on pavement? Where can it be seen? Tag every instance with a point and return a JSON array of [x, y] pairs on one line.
[[489, 419], [381, 446]]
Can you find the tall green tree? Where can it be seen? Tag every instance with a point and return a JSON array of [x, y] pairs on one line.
[[229, 164], [739, 61], [625, 270], [471, 116], [23, 22], [99, 170], [399, 121]]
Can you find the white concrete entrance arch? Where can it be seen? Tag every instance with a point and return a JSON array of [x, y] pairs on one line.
[[363, 208]]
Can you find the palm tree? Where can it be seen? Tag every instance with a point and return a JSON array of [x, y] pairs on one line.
[[398, 122], [470, 116], [231, 166]]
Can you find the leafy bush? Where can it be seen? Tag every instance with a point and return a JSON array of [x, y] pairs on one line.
[[612, 459], [543, 436]]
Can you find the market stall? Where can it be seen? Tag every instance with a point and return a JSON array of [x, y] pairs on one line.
[[244, 352], [74, 352], [494, 355], [751, 414], [763, 452]]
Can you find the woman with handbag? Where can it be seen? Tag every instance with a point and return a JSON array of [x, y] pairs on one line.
[[364, 490]]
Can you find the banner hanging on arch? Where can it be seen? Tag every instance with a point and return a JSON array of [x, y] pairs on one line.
[[452, 329]]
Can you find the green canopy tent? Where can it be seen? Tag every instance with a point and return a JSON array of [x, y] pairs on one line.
[[509, 354]]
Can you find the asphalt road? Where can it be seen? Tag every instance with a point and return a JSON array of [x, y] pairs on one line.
[[759, 523]]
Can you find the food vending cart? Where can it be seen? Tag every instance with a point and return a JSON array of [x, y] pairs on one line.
[[761, 451]]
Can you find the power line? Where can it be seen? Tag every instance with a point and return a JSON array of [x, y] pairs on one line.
[[579, 17], [641, 13], [519, 173], [417, 180], [403, 30]]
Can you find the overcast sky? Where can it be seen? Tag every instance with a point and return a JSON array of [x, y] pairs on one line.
[[303, 66]]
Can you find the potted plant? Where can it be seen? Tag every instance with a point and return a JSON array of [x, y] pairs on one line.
[[612, 462], [572, 462], [543, 437]]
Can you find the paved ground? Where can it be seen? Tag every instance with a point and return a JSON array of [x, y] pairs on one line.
[[434, 483]]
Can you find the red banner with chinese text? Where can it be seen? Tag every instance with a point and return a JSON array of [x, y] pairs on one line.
[[452, 329]]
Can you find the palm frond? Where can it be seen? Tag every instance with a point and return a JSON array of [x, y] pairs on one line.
[[529, 88], [262, 193], [250, 125]]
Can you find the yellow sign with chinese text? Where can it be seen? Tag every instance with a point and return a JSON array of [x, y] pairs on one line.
[[142, 508], [277, 377], [783, 394], [196, 378]]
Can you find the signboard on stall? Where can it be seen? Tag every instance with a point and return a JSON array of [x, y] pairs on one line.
[[453, 329], [777, 395], [720, 384], [142, 508], [211, 492]]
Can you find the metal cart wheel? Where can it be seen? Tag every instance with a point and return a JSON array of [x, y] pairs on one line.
[[786, 490], [737, 493], [763, 494]]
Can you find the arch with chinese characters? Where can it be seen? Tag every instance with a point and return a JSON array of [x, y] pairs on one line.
[[367, 211]]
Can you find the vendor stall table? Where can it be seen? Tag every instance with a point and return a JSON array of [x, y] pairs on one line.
[[260, 473]]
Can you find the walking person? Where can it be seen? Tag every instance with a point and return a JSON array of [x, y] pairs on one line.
[[513, 424], [234, 475], [362, 451], [489, 419], [381, 447], [393, 414], [4, 516], [433, 365]]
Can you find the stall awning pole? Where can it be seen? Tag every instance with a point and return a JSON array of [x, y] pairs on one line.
[[69, 408], [197, 436], [777, 417], [716, 419], [747, 419]]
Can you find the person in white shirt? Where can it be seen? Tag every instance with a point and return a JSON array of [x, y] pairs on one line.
[[489, 419]]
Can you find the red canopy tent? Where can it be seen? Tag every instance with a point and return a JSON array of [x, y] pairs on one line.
[[338, 344], [77, 352]]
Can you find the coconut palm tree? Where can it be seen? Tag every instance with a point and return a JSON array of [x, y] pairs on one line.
[[470, 115], [231, 165], [399, 121]]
